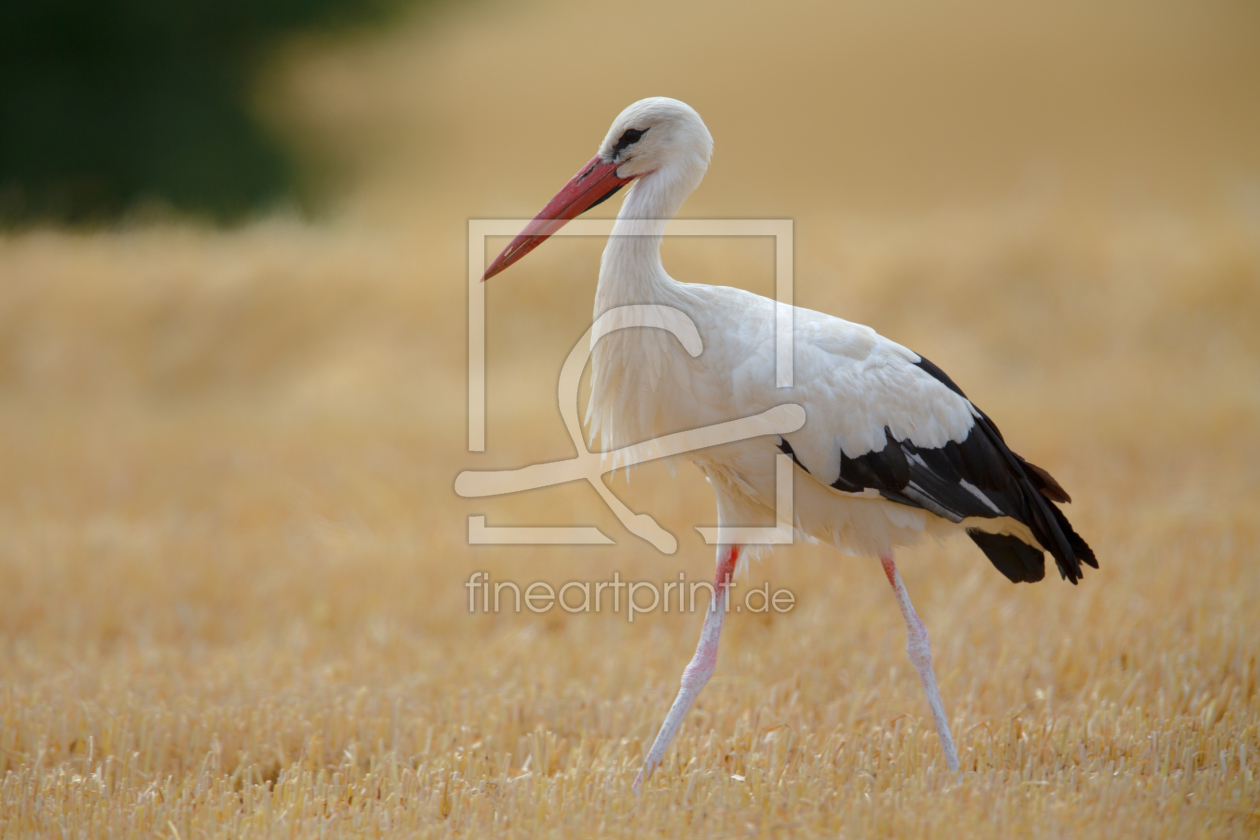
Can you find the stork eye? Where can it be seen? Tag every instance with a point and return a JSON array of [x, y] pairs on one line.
[[630, 137]]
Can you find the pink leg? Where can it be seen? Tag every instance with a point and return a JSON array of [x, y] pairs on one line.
[[921, 656], [700, 668]]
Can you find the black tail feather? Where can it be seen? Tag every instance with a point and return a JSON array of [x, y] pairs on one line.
[[1079, 547], [1043, 481]]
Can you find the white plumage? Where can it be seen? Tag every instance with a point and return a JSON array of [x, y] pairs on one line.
[[891, 449]]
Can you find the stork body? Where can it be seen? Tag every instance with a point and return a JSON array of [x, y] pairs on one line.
[[891, 450]]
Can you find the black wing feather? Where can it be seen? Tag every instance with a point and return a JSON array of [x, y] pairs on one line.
[[1013, 557]]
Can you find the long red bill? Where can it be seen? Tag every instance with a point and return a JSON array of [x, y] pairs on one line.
[[594, 182]]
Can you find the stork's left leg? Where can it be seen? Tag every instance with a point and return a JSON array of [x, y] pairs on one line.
[[701, 667], [921, 656]]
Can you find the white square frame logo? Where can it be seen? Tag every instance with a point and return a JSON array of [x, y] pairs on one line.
[[778, 420]]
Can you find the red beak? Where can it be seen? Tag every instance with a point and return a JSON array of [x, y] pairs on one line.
[[595, 182]]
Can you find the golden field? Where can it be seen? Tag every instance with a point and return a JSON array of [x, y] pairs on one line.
[[232, 563]]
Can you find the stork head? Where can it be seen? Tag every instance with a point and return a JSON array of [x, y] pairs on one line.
[[657, 133], [657, 138]]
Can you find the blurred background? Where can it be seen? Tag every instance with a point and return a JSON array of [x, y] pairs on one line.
[[108, 104], [220, 109], [232, 351], [1025, 179]]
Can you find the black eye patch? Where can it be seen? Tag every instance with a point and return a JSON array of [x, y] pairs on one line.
[[628, 139]]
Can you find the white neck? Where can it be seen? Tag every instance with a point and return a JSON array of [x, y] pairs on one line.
[[631, 270]]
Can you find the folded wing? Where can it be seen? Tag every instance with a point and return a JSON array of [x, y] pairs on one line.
[[889, 420]]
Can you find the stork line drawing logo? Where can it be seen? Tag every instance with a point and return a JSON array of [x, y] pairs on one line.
[[591, 465]]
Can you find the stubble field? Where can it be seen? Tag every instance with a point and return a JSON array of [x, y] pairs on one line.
[[232, 562]]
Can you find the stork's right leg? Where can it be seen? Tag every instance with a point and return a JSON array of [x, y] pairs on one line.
[[701, 667], [921, 655]]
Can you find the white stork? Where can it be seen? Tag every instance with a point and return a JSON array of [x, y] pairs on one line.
[[891, 450]]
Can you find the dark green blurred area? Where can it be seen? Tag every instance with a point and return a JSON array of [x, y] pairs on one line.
[[104, 103]]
